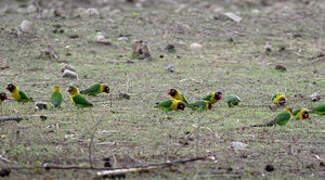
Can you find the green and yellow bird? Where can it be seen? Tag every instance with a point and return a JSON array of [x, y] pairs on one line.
[[17, 94], [320, 110], [3, 97], [213, 97], [302, 113], [200, 106], [96, 89], [177, 95], [232, 100], [279, 99], [56, 97], [171, 105], [281, 119], [77, 99]]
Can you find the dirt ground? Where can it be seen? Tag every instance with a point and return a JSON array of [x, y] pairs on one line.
[[234, 58]]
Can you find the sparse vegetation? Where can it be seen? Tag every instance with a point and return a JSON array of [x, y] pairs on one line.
[[129, 131]]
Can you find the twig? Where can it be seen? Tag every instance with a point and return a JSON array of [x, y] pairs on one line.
[[10, 118], [147, 167], [92, 142]]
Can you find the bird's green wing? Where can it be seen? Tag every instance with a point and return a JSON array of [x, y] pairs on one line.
[[296, 112], [165, 105], [184, 100], [208, 98], [92, 90], [56, 99], [24, 97], [198, 105], [282, 118], [320, 110], [81, 101]]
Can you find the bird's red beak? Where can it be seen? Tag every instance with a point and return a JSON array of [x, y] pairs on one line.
[[6, 97], [7, 87], [169, 92], [220, 96]]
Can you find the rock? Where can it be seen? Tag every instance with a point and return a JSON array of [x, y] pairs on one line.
[[124, 96], [280, 67], [67, 66], [5, 172], [100, 38], [315, 96], [170, 48], [170, 68], [73, 36], [267, 47], [195, 46], [269, 168], [49, 52], [41, 105], [69, 74], [141, 50], [27, 27], [238, 145], [43, 118], [233, 16], [92, 12], [123, 39]]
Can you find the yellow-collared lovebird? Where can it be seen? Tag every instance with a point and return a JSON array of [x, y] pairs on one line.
[[200, 106], [56, 97], [171, 105], [213, 97], [95, 89], [77, 99], [301, 113], [177, 95], [281, 119], [3, 97], [17, 94], [279, 99], [232, 100]]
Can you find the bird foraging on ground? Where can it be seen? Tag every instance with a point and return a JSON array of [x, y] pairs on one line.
[[301, 113], [200, 106], [177, 95], [3, 97], [279, 99], [56, 97], [77, 99], [213, 97], [95, 89], [233, 100], [171, 105], [281, 119], [17, 94], [320, 110]]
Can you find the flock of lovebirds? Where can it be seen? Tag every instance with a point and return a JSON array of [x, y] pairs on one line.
[[177, 102]]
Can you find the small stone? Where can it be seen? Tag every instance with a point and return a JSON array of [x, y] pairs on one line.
[[27, 27], [130, 61], [322, 163], [74, 36], [69, 74], [170, 48], [233, 17], [267, 47], [43, 118], [280, 67], [123, 39], [170, 68], [100, 38], [238, 145], [67, 66], [161, 56], [141, 50], [124, 96], [92, 12], [196, 46], [269, 168], [41, 105], [315, 96]]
